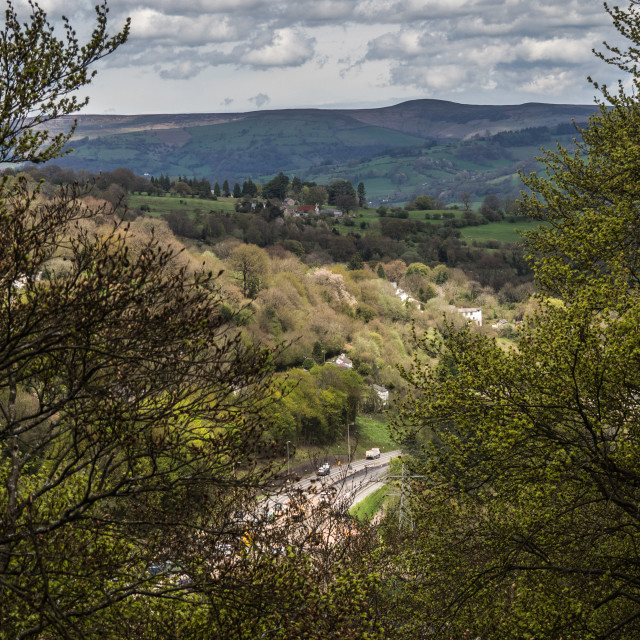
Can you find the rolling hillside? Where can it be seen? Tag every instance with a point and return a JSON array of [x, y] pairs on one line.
[[421, 143]]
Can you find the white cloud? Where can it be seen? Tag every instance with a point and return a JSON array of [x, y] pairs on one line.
[[184, 70], [149, 24], [396, 46], [552, 83], [558, 49], [283, 48], [436, 78], [348, 51]]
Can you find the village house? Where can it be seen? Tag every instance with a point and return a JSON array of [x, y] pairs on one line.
[[307, 208], [342, 362], [472, 314], [382, 393]]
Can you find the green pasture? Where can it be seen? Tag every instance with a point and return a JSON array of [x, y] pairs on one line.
[[508, 232], [161, 205], [371, 432]]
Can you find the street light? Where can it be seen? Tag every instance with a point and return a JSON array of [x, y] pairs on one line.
[[288, 469]]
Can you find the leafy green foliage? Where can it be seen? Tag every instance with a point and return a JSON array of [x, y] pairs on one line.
[[41, 74], [526, 461]]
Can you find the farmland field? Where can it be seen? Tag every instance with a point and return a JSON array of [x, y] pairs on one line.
[[508, 232], [159, 205]]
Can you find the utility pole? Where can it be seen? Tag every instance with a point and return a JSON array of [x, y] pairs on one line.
[[288, 467]]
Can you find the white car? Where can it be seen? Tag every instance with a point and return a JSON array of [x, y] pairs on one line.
[[324, 470]]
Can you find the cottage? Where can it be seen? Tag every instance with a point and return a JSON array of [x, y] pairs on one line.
[[472, 314], [342, 362], [382, 393]]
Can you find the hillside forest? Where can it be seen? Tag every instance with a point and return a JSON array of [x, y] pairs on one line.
[[313, 291]]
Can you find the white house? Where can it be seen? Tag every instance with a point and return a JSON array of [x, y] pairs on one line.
[[343, 362], [382, 393], [473, 314]]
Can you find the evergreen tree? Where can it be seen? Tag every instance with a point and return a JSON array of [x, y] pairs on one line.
[[276, 187], [340, 188], [355, 263], [362, 196], [216, 190], [249, 188], [237, 192], [225, 189]]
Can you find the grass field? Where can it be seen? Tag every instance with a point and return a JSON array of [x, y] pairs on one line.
[[367, 508], [502, 231], [371, 432], [159, 205], [506, 232]]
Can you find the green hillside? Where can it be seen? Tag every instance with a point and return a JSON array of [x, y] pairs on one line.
[[415, 147]]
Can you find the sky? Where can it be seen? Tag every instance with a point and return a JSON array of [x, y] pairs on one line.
[[221, 56]]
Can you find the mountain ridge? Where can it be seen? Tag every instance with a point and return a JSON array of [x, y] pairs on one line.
[[421, 140], [439, 112]]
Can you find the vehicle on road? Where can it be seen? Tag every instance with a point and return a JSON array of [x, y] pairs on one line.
[[373, 454], [324, 470]]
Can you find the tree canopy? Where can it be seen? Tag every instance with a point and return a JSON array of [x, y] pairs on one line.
[[526, 460], [40, 78], [132, 434]]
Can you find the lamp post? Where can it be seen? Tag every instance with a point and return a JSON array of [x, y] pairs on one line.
[[288, 468], [348, 447]]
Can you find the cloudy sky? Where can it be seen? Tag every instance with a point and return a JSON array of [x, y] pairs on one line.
[[243, 55]]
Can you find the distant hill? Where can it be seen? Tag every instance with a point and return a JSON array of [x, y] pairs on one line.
[[322, 143]]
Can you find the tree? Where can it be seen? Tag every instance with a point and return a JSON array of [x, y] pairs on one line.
[[296, 185], [216, 190], [355, 262], [251, 264], [314, 195], [421, 203], [340, 188], [395, 270], [249, 188], [362, 195], [346, 203], [418, 268], [525, 516], [115, 402], [226, 192], [40, 78], [276, 187], [237, 192], [130, 433], [182, 188], [490, 208]]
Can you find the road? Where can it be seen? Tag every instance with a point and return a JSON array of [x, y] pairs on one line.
[[346, 485]]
